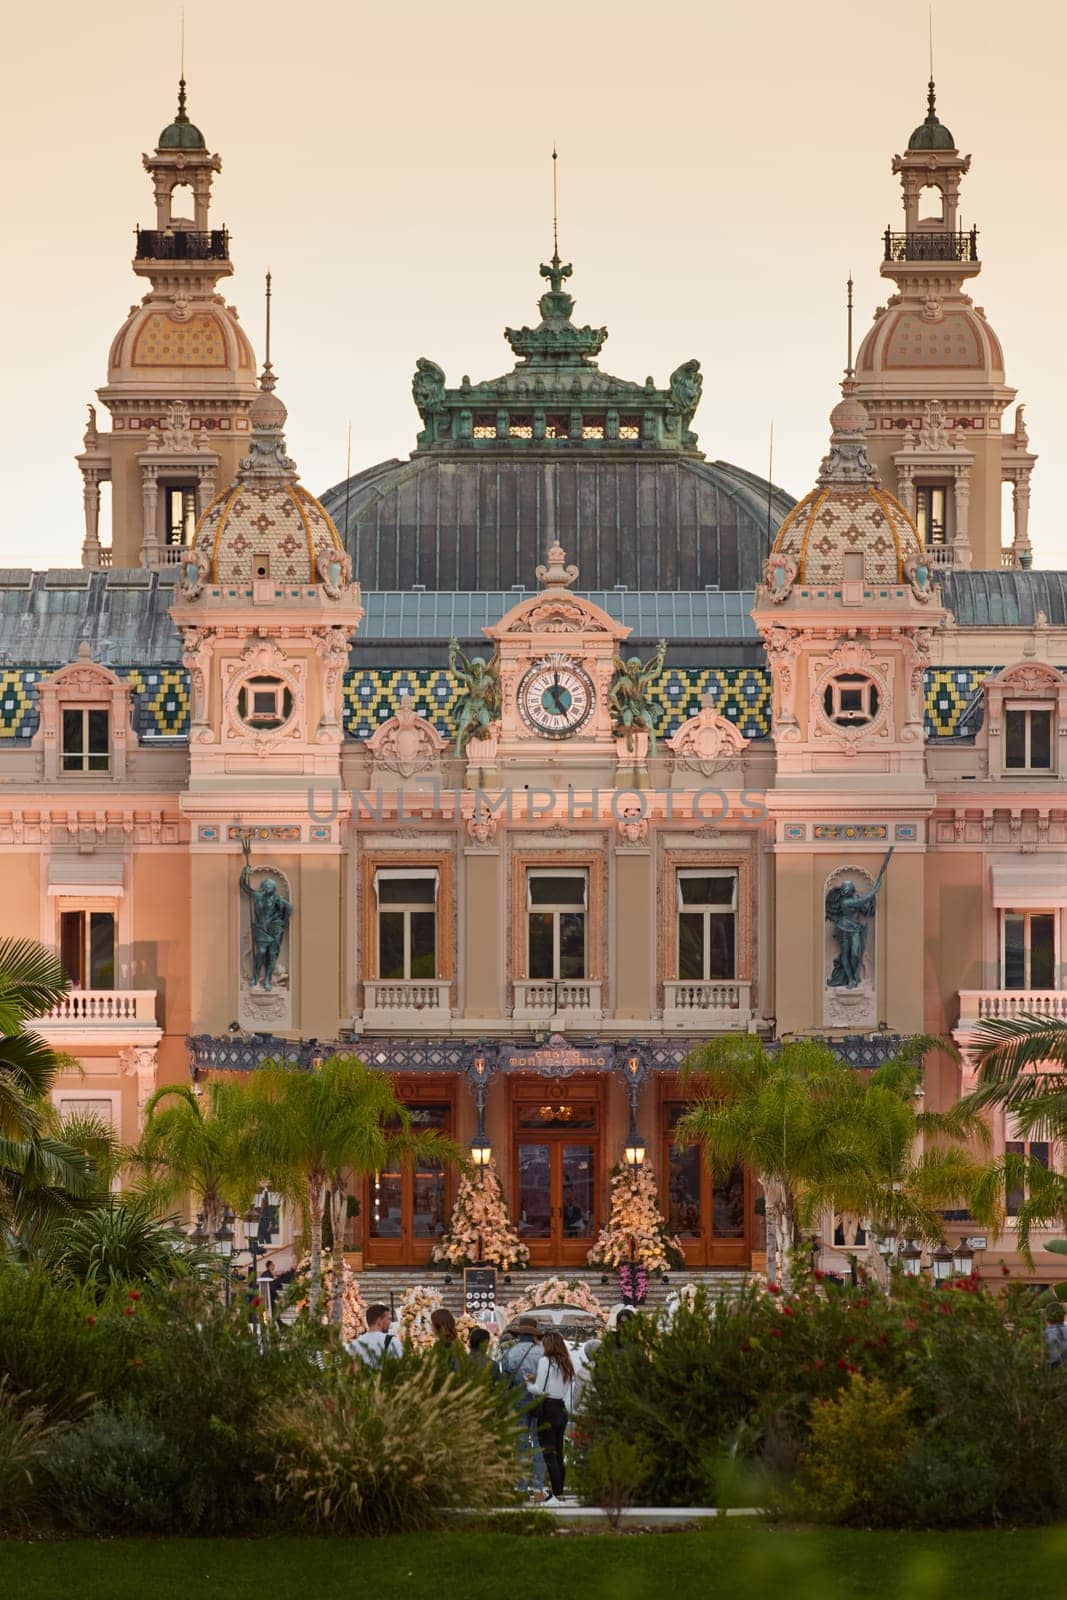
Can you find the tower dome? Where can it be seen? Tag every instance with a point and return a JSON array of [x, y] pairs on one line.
[[931, 134], [181, 134], [848, 512], [266, 524]]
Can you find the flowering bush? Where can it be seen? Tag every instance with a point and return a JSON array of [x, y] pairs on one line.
[[558, 1292], [481, 1230], [353, 1305], [416, 1309], [635, 1229]]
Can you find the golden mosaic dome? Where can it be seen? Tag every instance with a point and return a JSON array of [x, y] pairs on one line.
[[848, 511], [266, 524]]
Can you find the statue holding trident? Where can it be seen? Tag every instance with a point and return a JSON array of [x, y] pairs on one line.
[[269, 912], [849, 912]]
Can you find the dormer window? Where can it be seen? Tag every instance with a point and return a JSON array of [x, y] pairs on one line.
[[86, 739], [85, 716], [1026, 716]]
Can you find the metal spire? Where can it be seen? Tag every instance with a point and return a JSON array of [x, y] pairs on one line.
[[182, 115], [850, 371], [267, 379], [555, 202]]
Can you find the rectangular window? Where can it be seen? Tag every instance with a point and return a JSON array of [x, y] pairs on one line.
[[931, 501], [407, 923], [1027, 739], [707, 925], [556, 912], [86, 745], [179, 503], [87, 948], [1038, 1152], [1029, 950]]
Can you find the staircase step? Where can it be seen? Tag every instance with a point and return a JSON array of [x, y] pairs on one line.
[[383, 1283]]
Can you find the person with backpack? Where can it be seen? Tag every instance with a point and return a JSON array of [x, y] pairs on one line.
[[554, 1386], [519, 1365], [373, 1346]]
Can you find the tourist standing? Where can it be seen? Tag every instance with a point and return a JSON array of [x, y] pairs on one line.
[[519, 1366], [478, 1345], [373, 1346], [554, 1386]]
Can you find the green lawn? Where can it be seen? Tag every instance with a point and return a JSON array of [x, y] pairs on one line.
[[735, 1561]]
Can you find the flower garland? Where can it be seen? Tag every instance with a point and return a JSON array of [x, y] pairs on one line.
[[353, 1305], [480, 1231], [635, 1229], [416, 1309], [558, 1292]]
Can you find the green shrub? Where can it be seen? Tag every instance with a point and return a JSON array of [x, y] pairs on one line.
[[25, 1438], [858, 1443], [611, 1474], [115, 1473], [389, 1451], [59, 1348]]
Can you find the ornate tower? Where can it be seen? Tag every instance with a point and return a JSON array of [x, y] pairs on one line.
[[181, 373], [930, 372]]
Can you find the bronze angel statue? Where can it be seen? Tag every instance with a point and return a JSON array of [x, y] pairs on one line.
[[849, 910], [479, 694], [628, 696]]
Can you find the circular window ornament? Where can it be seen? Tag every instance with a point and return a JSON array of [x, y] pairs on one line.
[[851, 700], [264, 703]]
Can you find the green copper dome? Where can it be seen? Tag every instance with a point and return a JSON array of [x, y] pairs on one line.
[[931, 134], [181, 134]]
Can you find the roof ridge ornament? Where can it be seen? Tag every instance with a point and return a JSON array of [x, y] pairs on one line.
[[847, 461], [556, 575]]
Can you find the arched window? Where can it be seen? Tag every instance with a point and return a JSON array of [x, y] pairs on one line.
[[931, 203], [182, 205]]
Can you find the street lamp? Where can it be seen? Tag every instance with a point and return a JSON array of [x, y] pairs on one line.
[[963, 1259], [481, 1149], [941, 1262], [911, 1259], [634, 1151]]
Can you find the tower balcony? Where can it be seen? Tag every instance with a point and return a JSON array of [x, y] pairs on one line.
[[182, 244], [932, 247]]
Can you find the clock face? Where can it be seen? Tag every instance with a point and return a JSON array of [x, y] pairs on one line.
[[555, 698]]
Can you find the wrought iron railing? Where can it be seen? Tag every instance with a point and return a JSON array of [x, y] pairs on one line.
[[931, 246], [182, 244]]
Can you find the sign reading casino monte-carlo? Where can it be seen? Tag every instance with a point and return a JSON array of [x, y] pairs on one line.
[[557, 1056]]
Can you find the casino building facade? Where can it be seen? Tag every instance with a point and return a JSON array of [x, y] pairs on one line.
[[555, 737]]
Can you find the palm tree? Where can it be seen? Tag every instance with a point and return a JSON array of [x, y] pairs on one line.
[[318, 1131], [1010, 1053], [201, 1145], [41, 1175], [819, 1136]]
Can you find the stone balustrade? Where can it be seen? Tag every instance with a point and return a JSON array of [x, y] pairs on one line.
[[716, 1004], [406, 1003]]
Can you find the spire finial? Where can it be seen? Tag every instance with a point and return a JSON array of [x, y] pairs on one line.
[[850, 371], [182, 115], [555, 202], [267, 379]]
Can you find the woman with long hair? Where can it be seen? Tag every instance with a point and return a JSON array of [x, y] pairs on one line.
[[443, 1324], [554, 1388]]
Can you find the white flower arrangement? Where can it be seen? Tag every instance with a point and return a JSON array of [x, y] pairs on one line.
[[635, 1230], [353, 1305], [558, 1292], [480, 1230]]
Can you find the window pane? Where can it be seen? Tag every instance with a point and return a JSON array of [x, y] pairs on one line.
[[710, 891], [683, 1191], [1015, 738], [406, 891], [1043, 952], [556, 1114], [572, 944], [1041, 739], [72, 946], [535, 1210], [1014, 951], [101, 950], [1039, 1153], [73, 741], [423, 944], [390, 944], [1013, 1198], [428, 1197], [691, 945], [541, 945], [98, 734], [577, 1190], [728, 1205], [386, 1205], [722, 944], [545, 891]]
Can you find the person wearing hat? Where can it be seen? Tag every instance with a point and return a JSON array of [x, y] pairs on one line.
[[519, 1366]]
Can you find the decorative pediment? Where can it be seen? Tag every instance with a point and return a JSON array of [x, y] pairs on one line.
[[557, 613], [707, 741], [1033, 678], [406, 744], [84, 682]]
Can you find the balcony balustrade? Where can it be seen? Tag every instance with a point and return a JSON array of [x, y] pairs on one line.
[[566, 1001], [413, 1003], [931, 246], [998, 1005], [99, 1011], [717, 1005], [182, 244]]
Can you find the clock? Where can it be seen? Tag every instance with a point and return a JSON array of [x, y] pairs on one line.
[[556, 697]]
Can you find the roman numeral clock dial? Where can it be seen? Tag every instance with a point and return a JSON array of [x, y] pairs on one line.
[[555, 698]]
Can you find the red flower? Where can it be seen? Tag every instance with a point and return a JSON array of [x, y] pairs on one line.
[[787, 1311], [883, 1338], [851, 1368], [864, 1304], [843, 1364], [256, 1301], [818, 1276], [774, 1288], [133, 1294], [819, 1365], [1005, 1272], [129, 1311], [775, 1333], [91, 1321]]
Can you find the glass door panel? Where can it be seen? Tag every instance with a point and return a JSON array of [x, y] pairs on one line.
[[684, 1197], [728, 1205], [535, 1191], [387, 1205], [578, 1210]]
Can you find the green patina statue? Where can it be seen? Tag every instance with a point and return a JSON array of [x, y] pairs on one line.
[[628, 696], [849, 912], [479, 702], [270, 912]]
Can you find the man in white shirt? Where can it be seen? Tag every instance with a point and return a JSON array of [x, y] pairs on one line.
[[373, 1346]]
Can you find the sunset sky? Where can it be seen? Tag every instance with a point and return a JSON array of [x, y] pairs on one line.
[[722, 168]]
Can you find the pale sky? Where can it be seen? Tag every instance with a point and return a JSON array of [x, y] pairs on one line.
[[722, 168]]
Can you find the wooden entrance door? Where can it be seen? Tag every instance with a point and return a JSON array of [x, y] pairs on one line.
[[406, 1207], [710, 1213], [557, 1132]]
